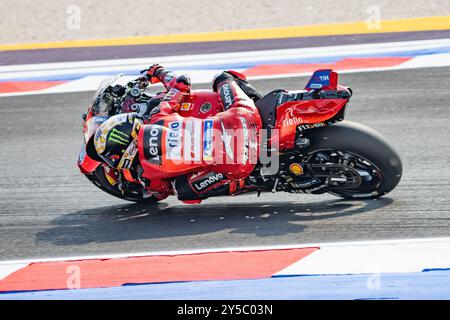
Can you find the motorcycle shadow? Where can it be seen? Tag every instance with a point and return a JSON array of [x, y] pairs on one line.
[[214, 222]]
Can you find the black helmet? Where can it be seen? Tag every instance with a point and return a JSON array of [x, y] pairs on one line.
[[114, 137]]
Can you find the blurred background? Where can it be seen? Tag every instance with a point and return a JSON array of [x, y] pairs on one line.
[[48, 20]]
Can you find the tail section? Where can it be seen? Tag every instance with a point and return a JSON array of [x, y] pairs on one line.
[[326, 79]]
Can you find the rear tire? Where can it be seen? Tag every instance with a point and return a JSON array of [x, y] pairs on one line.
[[362, 141]]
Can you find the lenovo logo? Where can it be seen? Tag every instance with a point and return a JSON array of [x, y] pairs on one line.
[[208, 181], [153, 143], [226, 95]]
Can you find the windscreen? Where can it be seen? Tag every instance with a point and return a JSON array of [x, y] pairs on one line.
[[98, 104]]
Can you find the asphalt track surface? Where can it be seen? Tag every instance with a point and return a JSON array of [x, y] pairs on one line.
[[48, 209]]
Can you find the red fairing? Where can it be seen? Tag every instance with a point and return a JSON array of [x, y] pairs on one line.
[[201, 104], [87, 165], [179, 145], [176, 143], [161, 146], [333, 81], [207, 134], [292, 114]]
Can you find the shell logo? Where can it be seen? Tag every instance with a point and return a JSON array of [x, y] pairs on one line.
[[296, 169]]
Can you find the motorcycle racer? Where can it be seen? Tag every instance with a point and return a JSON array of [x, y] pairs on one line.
[[195, 143], [222, 150]]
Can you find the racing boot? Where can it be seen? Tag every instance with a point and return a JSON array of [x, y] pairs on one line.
[[201, 185], [241, 80]]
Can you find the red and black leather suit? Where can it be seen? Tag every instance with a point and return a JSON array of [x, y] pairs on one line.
[[186, 157]]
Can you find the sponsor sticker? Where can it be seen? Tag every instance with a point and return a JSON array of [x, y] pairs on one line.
[[173, 140], [152, 142], [296, 169], [185, 106], [207, 140], [253, 143], [226, 96], [245, 137], [321, 77], [311, 126], [292, 119], [192, 141], [127, 159], [118, 137], [206, 107], [226, 138], [105, 133], [207, 182]]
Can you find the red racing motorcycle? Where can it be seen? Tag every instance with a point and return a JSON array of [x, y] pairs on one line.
[[317, 151]]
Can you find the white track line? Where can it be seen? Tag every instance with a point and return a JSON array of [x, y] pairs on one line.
[[375, 258], [220, 58], [91, 83], [238, 249], [185, 63], [8, 268], [210, 60]]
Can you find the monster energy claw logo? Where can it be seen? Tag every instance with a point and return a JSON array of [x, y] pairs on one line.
[[118, 137]]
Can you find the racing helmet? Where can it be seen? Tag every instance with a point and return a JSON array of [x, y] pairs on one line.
[[114, 140]]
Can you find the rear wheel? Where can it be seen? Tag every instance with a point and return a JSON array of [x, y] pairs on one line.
[[375, 167]]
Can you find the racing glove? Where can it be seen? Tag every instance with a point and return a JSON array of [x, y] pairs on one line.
[[154, 72]]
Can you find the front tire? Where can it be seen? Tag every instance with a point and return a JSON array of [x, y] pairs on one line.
[[98, 178], [365, 143]]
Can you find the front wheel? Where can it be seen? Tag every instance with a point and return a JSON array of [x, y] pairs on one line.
[[377, 165], [99, 179]]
